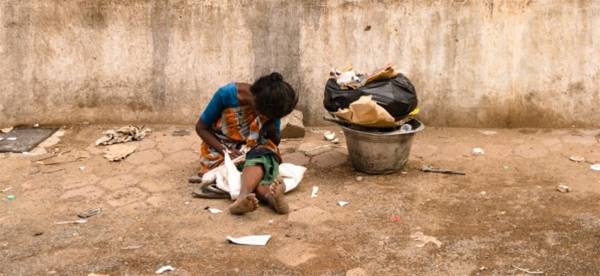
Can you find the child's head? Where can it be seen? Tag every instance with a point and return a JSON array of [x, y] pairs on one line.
[[273, 97]]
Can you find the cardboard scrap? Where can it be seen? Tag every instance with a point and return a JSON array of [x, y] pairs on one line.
[[118, 152], [365, 111]]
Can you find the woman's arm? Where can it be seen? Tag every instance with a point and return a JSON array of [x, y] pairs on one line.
[[207, 136], [272, 133]]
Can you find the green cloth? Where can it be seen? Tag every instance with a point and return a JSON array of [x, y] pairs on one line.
[[269, 164]]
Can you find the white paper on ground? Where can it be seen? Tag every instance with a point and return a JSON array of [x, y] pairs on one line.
[[214, 210], [229, 178], [342, 203], [164, 269], [315, 190], [250, 240], [292, 175]]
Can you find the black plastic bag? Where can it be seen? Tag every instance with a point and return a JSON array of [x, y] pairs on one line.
[[396, 95]]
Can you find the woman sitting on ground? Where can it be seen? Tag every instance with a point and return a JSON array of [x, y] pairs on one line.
[[243, 114]]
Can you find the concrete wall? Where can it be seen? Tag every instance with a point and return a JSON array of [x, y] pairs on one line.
[[474, 62]]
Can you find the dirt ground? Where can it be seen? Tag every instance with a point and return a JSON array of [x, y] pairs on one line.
[[503, 214]]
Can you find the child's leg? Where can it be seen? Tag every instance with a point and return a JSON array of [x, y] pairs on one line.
[[273, 195], [247, 202]]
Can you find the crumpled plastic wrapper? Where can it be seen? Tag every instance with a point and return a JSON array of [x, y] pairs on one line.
[[123, 135]]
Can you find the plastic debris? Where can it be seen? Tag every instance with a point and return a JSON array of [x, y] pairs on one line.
[[315, 190], [11, 197], [359, 178], [429, 168], [11, 138], [563, 188], [164, 269], [7, 129], [595, 167], [342, 203], [329, 135], [478, 151], [6, 190], [250, 240], [395, 218], [123, 135], [82, 168], [577, 158], [423, 239], [36, 125], [89, 213], [335, 140], [213, 210], [79, 221]]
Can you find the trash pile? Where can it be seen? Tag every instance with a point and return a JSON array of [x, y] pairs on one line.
[[377, 114], [384, 99], [121, 135]]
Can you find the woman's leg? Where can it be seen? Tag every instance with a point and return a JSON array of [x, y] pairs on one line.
[[246, 201]]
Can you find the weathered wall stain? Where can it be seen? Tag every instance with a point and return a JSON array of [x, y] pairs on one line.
[[160, 20], [474, 63]]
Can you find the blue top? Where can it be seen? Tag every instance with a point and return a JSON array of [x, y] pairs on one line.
[[225, 97]]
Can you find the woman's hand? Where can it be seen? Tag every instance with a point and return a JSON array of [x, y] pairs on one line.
[[234, 153]]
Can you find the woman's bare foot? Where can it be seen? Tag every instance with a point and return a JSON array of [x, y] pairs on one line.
[[277, 198], [244, 205]]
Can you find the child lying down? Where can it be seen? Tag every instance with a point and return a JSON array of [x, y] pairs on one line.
[[242, 114]]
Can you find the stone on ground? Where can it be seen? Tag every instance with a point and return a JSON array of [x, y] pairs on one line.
[[292, 125]]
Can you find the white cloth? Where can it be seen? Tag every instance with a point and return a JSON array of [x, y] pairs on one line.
[[228, 178]]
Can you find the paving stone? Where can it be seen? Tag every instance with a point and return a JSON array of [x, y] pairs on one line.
[[292, 125], [295, 254], [182, 157], [582, 140], [310, 215], [356, 272], [135, 208], [146, 144], [175, 144], [296, 158], [156, 200], [90, 192], [88, 179], [42, 194], [126, 196], [330, 159], [145, 157], [155, 187], [152, 169], [314, 149], [531, 151], [119, 181]]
